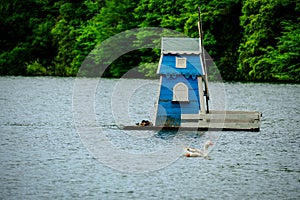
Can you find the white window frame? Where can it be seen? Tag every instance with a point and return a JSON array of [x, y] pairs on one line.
[[180, 92], [179, 63]]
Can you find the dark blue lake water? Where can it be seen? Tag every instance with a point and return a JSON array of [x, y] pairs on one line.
[[60, 140]]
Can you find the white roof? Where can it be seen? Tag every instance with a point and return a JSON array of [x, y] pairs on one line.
[[180, 45]]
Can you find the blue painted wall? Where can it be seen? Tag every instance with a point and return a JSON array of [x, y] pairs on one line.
[[169, 112], [193, 65]]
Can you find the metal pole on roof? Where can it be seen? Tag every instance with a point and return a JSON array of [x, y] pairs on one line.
[[203, 59]]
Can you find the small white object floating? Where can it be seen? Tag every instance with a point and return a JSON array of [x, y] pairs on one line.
[[193, 152]]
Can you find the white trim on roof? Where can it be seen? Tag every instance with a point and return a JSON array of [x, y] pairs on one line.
[[181, 52], [159, 64], [180, 45]]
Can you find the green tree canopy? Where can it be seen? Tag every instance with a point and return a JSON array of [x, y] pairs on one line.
[[248, 40], [270, 47]]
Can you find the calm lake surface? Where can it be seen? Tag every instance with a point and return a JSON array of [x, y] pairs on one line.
[[46, 152]]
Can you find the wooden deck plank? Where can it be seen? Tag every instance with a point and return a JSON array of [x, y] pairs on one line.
[[215, 120], [223, 115], [223, 120], [221, 125], [155, 128]]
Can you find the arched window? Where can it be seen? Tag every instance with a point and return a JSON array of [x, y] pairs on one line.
[[180, 92]]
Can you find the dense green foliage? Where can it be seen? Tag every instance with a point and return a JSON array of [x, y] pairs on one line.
[[270, 48], [248, 40]]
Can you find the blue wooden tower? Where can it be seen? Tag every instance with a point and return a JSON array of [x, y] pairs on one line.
[[182, 85]]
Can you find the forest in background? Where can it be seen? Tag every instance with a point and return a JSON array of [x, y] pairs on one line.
[[249, 40]]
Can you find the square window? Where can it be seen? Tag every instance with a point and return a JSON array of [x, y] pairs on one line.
[[180, 62]]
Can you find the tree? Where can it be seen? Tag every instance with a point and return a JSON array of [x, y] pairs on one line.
[[271, 29], [112, 17], [72, 15], [258, 39], [26, 37], [222, 32], [15, 26]]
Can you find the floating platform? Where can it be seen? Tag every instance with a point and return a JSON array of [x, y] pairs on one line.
[[212, 121]]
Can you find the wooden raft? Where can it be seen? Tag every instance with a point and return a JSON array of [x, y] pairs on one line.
[[223, 120], [214, 120]]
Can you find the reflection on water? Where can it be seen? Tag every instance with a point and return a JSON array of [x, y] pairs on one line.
[[42, 156]]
